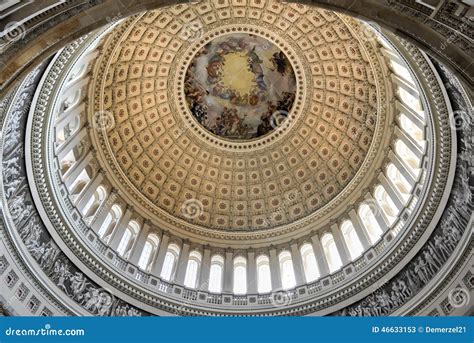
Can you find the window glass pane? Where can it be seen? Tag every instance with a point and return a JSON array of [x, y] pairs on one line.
[[168, 265], [215, 278], [309, 263], [264, 282], [191, 274], [287, 272], [124, 242], [331, 253], [145, 256], [240, 275]]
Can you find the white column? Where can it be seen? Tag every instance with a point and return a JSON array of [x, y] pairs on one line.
[[323, 265], [275, 269], [406, 85], [120, 229], [89, 191], [410, 143], [392, 192], [297, 264], [414, 116], [361, 232], [341, 245], [378, 213], [103, 211], [66, 116], [70, 143], [228, 272], [205, 269], [252, 285], [76, 169], [402, 168], [160, 255], [392, 56], [74, 86], [182, 264], [139, 244]]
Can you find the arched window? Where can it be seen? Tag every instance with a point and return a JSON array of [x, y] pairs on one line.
[[94, 202], [370, 222], [386, 204], [264, 281], [352, 240], [192, 269], [149, 248], [127, 239], [145, 255], [287, 272], [216, 273], [411, 129], [67, 162], [309, 262], [71, 100], [169, 265], [110, 222], [331, 253], [407, 156], [240, 275], [66, 129], [79, 183], [399, 181]]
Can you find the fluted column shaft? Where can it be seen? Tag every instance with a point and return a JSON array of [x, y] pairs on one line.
[[360, 230], [297, 264], [252, 284], [228, 272], [275, 269], [341, 245], [120, 229], [205, 270], [160, 256], [182, 264], [139, 244], [321, 260]]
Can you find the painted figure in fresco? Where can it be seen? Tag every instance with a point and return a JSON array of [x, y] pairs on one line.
[[280, 63]]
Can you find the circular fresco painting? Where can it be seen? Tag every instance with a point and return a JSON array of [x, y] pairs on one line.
[[240, 87]]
